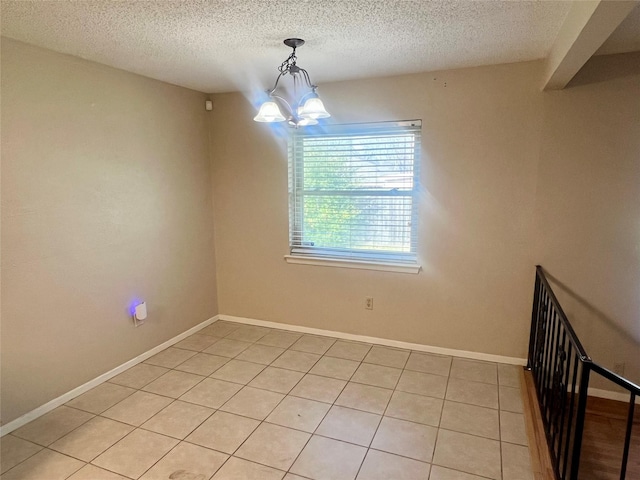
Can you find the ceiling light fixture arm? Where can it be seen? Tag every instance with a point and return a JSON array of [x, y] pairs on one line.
[[272, 95], [293, 70], [304, 109], [275, 85]]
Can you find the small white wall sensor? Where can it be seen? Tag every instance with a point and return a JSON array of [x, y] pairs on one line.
[[208, 105], [140, 313]]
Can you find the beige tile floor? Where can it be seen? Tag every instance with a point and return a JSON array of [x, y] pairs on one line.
[[236, 402]]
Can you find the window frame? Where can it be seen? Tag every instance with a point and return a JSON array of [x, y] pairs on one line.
[[346, 257]]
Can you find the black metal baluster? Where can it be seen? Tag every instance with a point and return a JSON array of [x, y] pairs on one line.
[[549, 367], [555, 359], [627, 437], [582, 407], [567, 453], [552, 374], [542, 336], [574, 379], [534, 322], [566, 347], [560, 396], [561, 370], [542, 339], [547, 353]]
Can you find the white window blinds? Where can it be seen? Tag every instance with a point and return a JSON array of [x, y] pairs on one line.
[[353, 191]]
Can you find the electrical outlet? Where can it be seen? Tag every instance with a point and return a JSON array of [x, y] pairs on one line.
[[368, 303], [618, 367]]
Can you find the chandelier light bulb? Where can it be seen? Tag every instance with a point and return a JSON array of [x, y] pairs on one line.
[[313, 108], [269, 112], [306, 108], [305, 121]]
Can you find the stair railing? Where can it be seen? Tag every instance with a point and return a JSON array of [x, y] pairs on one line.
[[561, 371]]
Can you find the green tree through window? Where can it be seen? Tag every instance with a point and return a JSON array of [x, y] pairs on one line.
[[352, 191]]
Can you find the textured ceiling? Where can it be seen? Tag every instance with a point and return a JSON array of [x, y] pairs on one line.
[[218, 46]]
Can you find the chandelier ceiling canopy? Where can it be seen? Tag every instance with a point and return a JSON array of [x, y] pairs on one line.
[[305, 108]]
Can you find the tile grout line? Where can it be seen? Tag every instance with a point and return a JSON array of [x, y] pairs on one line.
[[382, 418], [244, 385], [351, 408], [386, 408], [264, 421], [328, 410], [440, 421], [218, 409], [135, 427], [174, 400], [33, 454], [326, 353]]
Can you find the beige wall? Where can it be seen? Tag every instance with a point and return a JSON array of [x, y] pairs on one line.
[[481, 130], [106, 196], [588, 214]]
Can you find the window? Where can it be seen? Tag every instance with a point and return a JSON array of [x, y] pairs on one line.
[[353, 192]]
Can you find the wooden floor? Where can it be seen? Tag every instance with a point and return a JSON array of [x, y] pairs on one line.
[[540, 459], [603, 440]]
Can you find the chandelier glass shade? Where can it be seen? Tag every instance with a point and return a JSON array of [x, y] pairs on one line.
[[305, 108]]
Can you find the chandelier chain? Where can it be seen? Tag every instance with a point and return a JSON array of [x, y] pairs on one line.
[[289, 62], [302, 109]]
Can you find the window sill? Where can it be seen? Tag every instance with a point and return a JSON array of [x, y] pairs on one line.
[[359, 264]]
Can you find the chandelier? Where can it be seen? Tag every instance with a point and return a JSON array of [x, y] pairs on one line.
[[305, 108]]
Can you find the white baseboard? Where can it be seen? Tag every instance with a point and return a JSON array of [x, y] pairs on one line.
[[62, 399], [608, 394], [488, 357]]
